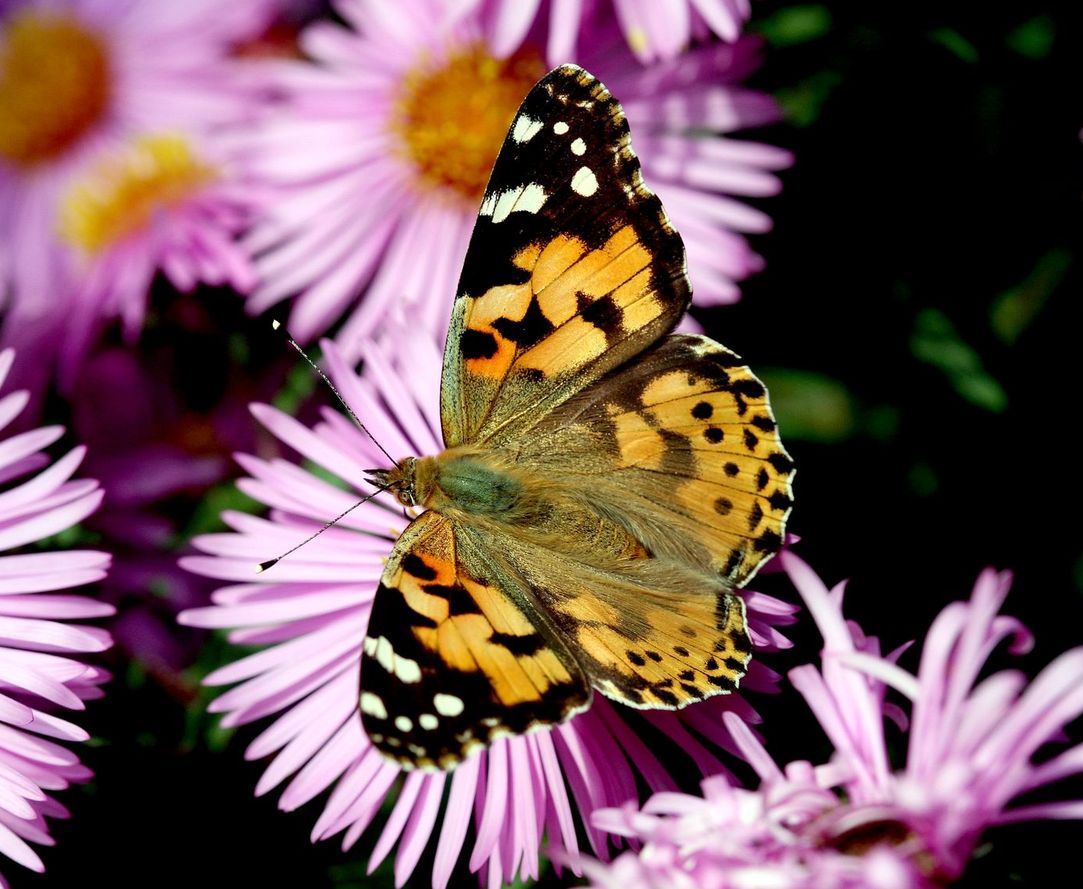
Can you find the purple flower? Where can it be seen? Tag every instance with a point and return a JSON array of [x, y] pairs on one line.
[[309, 613], [654, 29], [81, 81], [858, 820], [37, 675], [381, 150]]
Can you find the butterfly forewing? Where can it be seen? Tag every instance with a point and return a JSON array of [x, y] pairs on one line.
[[572, 268]]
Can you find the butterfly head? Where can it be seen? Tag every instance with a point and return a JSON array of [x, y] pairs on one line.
[[408, 480]]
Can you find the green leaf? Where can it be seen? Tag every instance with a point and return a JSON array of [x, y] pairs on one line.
[[1034, 38], [803, 103], [955, 43], [936, 342], [1014, 310], [74, 537], [923, 480], [810, 406], [794, 25]]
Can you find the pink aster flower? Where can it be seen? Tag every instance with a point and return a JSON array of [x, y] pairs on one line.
[[79, 80], [40, 669], [384, 142], [654, 29], [309, 614], [860, 821]]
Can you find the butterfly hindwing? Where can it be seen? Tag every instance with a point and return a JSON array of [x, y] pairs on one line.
[[573, 266], [455, 654], [649, 633], [682, 446]]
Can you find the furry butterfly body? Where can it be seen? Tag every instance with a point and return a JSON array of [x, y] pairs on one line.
[[605, 488]]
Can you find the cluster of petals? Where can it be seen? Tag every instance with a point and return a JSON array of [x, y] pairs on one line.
[[41, 669], [654, 29], [857, 820], [352, 211], [308, 615]]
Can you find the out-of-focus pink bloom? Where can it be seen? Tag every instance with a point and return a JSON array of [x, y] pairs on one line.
[[310, 612], [654, 29], [40, 670], [158, 204], [859, 821], [81, 80], [382, 146]]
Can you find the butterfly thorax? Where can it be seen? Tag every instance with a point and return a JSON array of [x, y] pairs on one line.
[[481, 486]]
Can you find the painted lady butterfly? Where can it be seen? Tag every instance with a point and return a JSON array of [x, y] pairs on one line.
[[605, 487]]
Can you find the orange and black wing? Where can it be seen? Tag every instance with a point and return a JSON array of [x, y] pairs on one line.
[[456, 654], [572, 269]]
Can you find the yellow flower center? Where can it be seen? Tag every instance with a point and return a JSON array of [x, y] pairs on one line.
[[124, 192], [54, 86], [452, 117]]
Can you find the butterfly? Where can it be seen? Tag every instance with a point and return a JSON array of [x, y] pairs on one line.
[[606, 485]]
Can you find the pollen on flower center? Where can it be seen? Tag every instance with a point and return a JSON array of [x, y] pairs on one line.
[[452, 116], [122, 194], [54, 86]]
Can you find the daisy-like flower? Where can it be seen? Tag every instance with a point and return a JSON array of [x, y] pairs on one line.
[[858, 821], [310, 613], [654, 29], [40, 670], [80, 79], [385, 140]]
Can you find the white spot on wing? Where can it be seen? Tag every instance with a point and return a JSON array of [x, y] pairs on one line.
[[560, 127], [529, 198], [579, 147], [403, 668], [532, 198], [487, 205], [584, 182], [504, 203], [372, 705], [404, 723], [525, 129], [428, 721], [407, 670], [447, 705]]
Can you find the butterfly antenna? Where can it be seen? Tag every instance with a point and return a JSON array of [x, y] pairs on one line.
[[349, 410], [270, 563]]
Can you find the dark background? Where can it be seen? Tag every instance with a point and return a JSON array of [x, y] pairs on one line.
[[918, 324]]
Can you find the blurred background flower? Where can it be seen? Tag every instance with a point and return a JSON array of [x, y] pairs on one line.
[[309, 612], [42, 657], [102, 110]]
